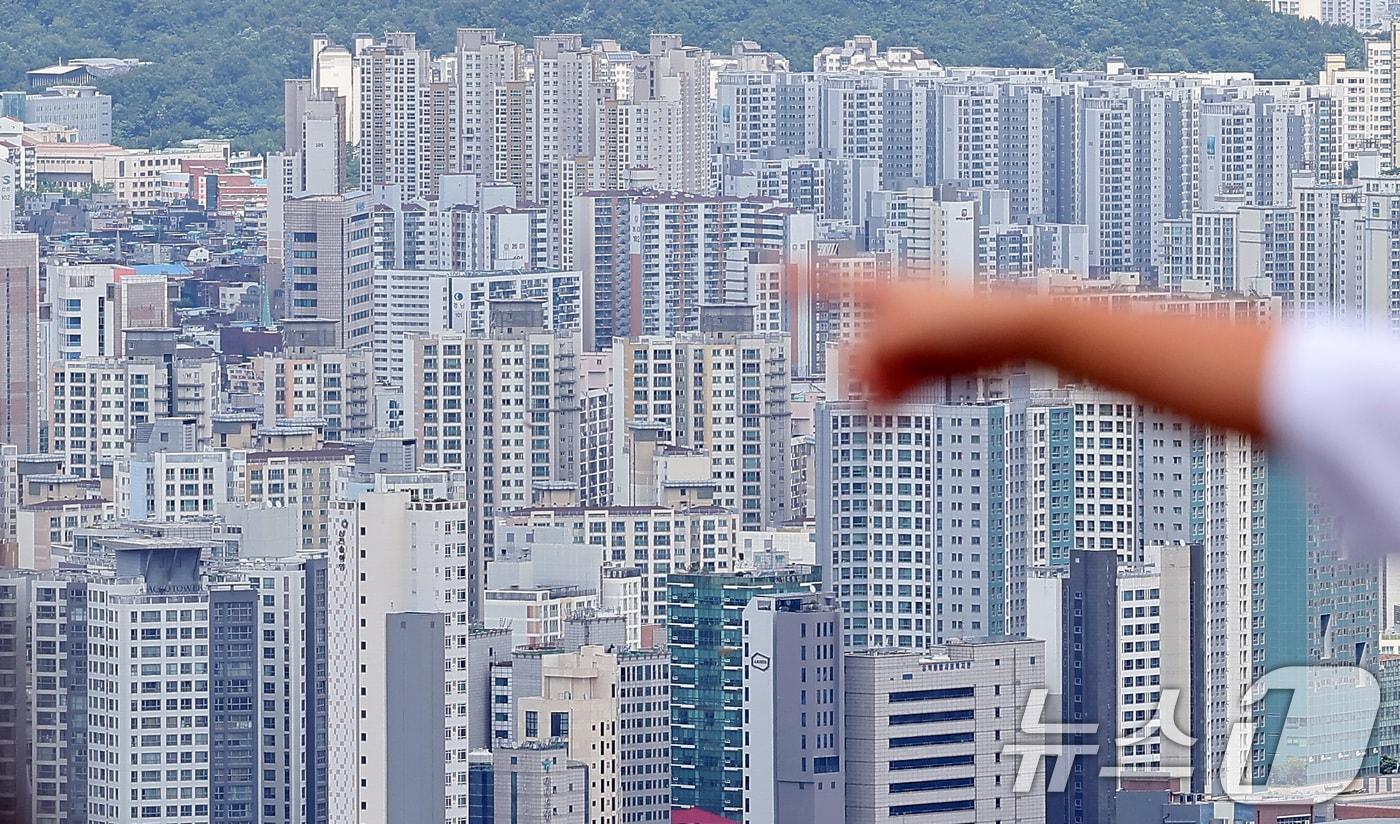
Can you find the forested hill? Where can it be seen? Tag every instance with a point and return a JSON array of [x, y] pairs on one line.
[[219, 64]]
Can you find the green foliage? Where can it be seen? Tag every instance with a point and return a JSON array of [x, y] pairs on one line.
[[218, 66], [352, 166]]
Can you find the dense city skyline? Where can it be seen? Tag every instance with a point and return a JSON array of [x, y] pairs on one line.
[[499, 410]]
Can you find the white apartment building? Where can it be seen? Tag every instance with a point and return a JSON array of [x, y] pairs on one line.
[[862, 54], [329, 386], [921, 520], [176, 486], [1090, 438], [1112, 192], [1327, 252], [852, 116], [196, 391], [970, 121], [93, 305], [403, 590], [1203, 247], [471, 225], [1367, 15], [650, 260], [9, 502], [1155, 688], [746, 106], [1366, 99], [655, 541], [1204, 484], [938, 243], [502, 407], [185, 688], [725, 392], [829, 188], [332, 67], [408, 303], [484, 62], [395, 81], [595, 486], [95, 406], [820, 325], [666, 125], [1340, 247], [651, 147]]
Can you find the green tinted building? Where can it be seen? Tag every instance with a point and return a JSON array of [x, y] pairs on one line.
[[705, 626]]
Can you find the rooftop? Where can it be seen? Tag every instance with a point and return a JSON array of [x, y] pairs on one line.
[[58, 506]]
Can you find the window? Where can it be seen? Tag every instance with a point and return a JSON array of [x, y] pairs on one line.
[[931, 807], [930, 695], [926, 786], [931, 717], [927, 740], [927, 763]]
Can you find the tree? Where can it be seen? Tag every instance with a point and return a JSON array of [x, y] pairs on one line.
[[227, 81]]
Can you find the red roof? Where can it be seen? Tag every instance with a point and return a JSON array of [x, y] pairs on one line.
[[696, 816]]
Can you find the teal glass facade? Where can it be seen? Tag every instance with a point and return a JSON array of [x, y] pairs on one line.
[[705, 628]]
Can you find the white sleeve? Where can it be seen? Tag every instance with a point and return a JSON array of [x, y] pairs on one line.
[[1332, 405]]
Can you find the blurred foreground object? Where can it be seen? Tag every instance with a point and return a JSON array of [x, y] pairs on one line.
[[1326, 396]]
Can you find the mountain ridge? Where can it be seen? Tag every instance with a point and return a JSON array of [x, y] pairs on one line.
[[217, 67]]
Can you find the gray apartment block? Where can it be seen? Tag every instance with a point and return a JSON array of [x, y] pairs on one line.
[[1090, 684], [59, 679], [644, 748]]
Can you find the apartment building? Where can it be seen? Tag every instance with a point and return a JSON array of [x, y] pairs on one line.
[[921, 519], [656, 541], [409, 303], [398, 635], [503, 407], [723, 390]]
